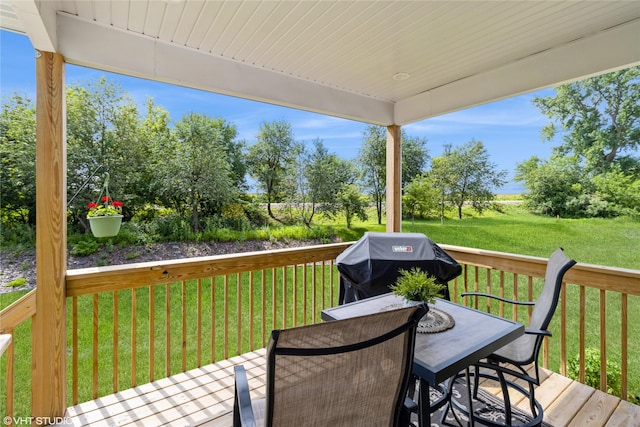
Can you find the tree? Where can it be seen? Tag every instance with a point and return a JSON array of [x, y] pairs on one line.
[[103, 137], [269, 158], [352, 203], [197, 175], [598, 117], [442, 177], [414, 157], [315, 178], [372, 160], [562, 187], [550, 184], [420, 197], [18, 159], [467, 176]]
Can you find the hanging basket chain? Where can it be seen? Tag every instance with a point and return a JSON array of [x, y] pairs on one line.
[[104, 190]]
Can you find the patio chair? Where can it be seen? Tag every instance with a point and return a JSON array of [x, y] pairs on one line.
[[351, 372], [513, 358]]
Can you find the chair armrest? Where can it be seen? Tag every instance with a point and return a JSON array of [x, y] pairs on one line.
[[510, 301], [538, 332], [242, 410]]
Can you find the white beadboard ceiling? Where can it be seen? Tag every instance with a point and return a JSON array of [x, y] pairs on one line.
[[339, 57]]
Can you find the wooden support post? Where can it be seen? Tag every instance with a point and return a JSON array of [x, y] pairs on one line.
[[49, 323], [394, 178]]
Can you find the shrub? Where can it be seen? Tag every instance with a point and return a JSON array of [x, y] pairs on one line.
[[174, 228], [592, 371], [84, 248], [21, 281]]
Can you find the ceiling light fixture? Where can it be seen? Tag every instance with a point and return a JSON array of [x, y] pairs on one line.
[[401, 76]]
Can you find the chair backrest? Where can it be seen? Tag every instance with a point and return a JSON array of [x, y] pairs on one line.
[[525, 348], [351, 372]]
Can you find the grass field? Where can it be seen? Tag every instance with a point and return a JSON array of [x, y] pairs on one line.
[[611, 242]]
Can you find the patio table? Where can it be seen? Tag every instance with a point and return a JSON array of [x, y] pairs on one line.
[[440, 356]]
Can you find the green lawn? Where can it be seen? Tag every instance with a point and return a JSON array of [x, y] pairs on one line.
[[612, 242]]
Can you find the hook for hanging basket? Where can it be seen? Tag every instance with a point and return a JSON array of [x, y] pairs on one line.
[[105, 206]]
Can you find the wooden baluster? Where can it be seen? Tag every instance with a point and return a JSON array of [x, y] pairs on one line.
[[115, 341], [74, 352], [95, 347], [273, 299], [583, 333], [530, 295], [314, 287], [304, 293], [134, 336], [226, 317], [295, 295], [167, 321], [322, 285], [240, 312], [284, 297], [603, 340], [251, 317], [332, 271], [476, 284], [563, 331], [264, 308], [152, 332], [213, 319], [624, 346], [199, 323], [184, 326], [10, 355], [515, 296]]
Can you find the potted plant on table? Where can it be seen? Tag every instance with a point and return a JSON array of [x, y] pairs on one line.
[[417, 285], [105, 218]]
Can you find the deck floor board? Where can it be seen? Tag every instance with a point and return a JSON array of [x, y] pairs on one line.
[[204, 397]]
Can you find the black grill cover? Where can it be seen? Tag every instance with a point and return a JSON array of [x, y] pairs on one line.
[[370, 265]]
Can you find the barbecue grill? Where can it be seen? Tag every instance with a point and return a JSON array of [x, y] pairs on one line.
[[371, 264]]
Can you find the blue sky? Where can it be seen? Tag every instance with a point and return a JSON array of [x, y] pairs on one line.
[[510, 129]]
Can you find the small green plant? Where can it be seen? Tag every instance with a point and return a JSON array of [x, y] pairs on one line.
[[592, 371], [416, 285], [84, 248], [21, 281]]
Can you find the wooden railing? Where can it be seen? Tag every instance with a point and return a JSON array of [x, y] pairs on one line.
[[148, 321], [12, 317], [594, 299], [133, 324]]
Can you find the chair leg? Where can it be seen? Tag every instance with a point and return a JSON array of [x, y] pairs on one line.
[[476, 382], [505, 397]]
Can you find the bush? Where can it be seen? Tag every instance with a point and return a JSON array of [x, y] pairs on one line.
[[84, 248], [592, 371], [16, 234], [173, 228], [21, 281]]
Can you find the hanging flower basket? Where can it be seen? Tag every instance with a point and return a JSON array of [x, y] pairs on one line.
[[105, 226], [105, 218]]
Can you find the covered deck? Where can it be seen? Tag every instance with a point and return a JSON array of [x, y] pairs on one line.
[[388, 63], [204, 397]]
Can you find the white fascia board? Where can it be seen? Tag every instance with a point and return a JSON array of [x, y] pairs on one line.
[[610, 50], [38, 20], [109, 49]]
